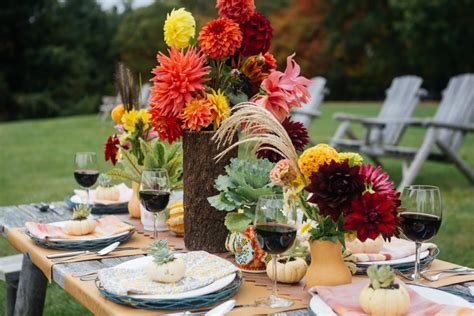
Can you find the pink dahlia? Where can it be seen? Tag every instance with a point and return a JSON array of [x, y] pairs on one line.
[[238, 10], [378, 181], [257, 32], [178, 78]]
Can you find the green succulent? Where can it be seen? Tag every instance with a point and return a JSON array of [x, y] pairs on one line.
[[381, 277], [105, 181], [160, 252], [81, 211]]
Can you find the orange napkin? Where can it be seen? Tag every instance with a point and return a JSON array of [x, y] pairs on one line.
[[106, 226], [344, 300], [395, 249]]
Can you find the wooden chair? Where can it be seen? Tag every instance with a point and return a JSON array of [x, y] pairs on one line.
[[401, 100], [310, 110], [444, 136]]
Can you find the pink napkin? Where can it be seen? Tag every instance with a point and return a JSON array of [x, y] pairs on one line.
[[395, 249], [344, 300], [106, 226]]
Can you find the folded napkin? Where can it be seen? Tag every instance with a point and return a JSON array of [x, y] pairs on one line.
[[81, 196], [395, 249], [344, 300], [202, 269], [106, 226]]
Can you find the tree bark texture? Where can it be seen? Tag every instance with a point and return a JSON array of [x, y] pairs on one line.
[[203, 225]]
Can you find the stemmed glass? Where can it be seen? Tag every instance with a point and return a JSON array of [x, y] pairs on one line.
[[421, 216], [86, 171], [155, 193], [275, 231]]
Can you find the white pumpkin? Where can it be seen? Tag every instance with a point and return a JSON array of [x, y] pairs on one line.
[[107, 193], [289, 270], [384, 301], [368, 246], [230, 243], [80, 227], [170, 272]]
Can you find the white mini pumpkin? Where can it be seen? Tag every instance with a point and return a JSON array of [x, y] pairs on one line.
[[289, 270], [80, 225], [170, 272], [368, 246], [105, 190]]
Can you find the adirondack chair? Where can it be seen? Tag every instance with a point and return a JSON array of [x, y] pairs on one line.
[[109, 102], [401, 100], [445, 132], [310, 110]]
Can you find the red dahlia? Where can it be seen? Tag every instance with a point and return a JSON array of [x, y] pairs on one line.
[[378, 181], [299, 137], [167, 127], [237, 10], [371, 215], [111, 149], [334, 186], [257, 34]]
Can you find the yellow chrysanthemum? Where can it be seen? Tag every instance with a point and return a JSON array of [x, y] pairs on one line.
[[144, 116], [314, 157], [179, 28], [306, 227], [130, 120], [220, 107], [354, 158]]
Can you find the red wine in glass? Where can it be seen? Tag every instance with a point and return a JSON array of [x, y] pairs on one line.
[[419, 226], [275, 238], [86, 178], [153, 200]]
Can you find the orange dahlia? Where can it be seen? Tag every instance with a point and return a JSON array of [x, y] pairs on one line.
[[196, 114], [238, 10], [256, 69], [178, 78], [270, 60], [167, 127], [220, 38]]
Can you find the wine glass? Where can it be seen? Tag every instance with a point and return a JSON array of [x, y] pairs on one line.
[[155, 193], [275, 230], [421, 216], [86, 171]]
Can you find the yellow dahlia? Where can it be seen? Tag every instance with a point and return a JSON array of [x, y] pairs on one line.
[[354, 158], [179, 28], [130, 120], [220, 38], [220, 107], [196, 114], [316, 156], [144, 116], [117, 113]]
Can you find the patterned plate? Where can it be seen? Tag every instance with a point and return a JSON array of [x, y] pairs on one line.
[[102, 209]]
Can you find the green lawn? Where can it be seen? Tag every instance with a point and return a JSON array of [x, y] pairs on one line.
[[37, 163]]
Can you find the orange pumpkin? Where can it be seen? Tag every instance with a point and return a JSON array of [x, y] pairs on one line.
[[175, 222]]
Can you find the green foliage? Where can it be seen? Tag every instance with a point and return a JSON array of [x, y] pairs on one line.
[[245, 181], [380, 277], [81, 212], [327, 229], [160, 252]]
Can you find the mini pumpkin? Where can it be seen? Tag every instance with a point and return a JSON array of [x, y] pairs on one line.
[[382, 297], [106, 190], [350, 261], [289, 269], [230, 242], [165, 267], [80, 225], [175, 221], [368, 246]]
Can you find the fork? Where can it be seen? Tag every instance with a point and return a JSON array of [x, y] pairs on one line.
[[437, 276]]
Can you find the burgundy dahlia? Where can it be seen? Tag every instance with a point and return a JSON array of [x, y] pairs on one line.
[[334, 186], [371, 215], [111, 149], [257, 33], [378, 181], [299, 137]]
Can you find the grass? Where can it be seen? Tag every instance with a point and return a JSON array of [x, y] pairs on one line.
[[37, 162]]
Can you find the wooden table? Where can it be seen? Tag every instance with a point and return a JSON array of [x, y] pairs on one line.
[[32, 284]]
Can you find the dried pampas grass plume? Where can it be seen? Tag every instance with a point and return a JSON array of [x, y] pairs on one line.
[[260, 127]]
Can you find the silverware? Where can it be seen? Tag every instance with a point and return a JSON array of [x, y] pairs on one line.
[[437, 276], [221, 309], [403, 275], [44, 207], [208, 310], [101, 253], [75, 253], [446, 270]]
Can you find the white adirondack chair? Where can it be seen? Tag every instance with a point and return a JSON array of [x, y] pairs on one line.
[[445, 132], [401, 100], [109, 102], [310, 110]]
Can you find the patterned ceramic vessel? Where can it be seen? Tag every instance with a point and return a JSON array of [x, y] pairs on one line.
[[248, 254]]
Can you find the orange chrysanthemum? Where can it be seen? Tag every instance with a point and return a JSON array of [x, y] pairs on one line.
[[196, 114], [178, 78], [220, 38], [238, 10]]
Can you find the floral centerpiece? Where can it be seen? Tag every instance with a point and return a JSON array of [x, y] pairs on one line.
[[338, 193], [196, 84]]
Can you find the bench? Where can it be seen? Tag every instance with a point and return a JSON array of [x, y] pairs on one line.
[[10, 268]]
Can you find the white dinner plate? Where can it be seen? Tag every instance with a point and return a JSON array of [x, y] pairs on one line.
[[319, 307], [85, 238], [408, 259], [141, 263]]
